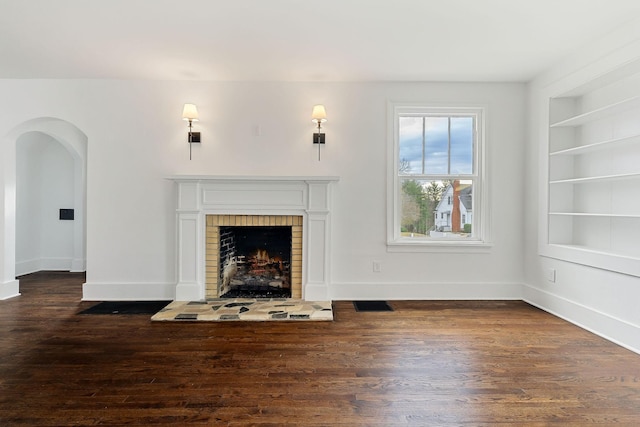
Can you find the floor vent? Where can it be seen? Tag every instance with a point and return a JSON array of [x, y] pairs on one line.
[[126, 307], [372, 306]]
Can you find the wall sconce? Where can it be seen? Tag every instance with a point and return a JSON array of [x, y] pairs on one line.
[[319, 116], [190, 114]]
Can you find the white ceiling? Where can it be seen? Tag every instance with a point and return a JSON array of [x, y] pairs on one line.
[[299, 40]]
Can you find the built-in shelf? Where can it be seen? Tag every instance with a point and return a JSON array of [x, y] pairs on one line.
[[590, 250], [601, 215], [588, 222], [603, 178], [597, 146], [600, 113]]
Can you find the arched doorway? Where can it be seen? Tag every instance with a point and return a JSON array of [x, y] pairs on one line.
[[75, 142]]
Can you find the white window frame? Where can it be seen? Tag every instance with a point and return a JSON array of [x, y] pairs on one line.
[[481, 217]]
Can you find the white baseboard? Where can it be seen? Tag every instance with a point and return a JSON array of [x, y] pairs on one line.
[[43, 264], [316, 292], [608, 327], [78, 265], [27, 267], [128, 291], [9, 289], [55, 264], [615, 330], [425, 291], [188, 292]]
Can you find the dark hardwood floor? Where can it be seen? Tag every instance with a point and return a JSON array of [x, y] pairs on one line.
[[436, 363]]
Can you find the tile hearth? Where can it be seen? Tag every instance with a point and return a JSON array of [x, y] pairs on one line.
[[247, 309]]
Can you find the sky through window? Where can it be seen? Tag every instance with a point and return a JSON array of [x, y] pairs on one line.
[[436, 145]]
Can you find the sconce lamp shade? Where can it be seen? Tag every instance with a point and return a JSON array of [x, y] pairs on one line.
[[190, 113], [319, 115]]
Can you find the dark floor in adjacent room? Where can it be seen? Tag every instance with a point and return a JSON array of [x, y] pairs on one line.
[[438, 363]]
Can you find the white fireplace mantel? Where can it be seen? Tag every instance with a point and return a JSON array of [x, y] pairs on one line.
[[201, 195]]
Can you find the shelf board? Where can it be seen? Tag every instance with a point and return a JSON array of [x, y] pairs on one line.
[[600, 113], [604, 258], [626, 71], [588, 249], [604, 178], [602, 145], [600, 215]]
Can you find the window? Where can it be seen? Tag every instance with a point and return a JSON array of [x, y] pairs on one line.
[[437, 177]]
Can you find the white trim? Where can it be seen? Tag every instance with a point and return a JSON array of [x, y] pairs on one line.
[[78, 265], [27, 267], [613, 329], [46, 264], [98, 291], [9, 290], [481, 222], [441, 246], [426, 291], [75, 141]]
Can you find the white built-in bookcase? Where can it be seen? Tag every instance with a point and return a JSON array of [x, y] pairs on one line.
[[593, 206]]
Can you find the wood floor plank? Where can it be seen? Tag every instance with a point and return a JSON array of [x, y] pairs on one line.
[[449, 363]]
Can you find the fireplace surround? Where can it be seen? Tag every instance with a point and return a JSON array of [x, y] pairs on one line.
[[205, 196]]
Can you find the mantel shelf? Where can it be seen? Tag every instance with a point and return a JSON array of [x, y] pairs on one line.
[[250, 178]]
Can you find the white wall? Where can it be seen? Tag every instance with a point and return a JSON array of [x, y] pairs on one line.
[[136, 138], [45, 183], [599, 300]]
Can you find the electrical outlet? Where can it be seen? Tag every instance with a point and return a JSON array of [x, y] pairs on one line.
[[377, 267], [551, 275]]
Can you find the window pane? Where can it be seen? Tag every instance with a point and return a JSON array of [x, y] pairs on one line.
[[437, 145], [436, 209], [461, 145], [410, 139]]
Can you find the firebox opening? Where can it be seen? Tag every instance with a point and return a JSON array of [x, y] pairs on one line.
[[255, 262]]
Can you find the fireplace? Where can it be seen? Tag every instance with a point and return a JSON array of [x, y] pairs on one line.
[[254, 256], [205, 203]]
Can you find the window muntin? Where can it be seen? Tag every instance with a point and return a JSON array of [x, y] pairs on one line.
[[437, 176]]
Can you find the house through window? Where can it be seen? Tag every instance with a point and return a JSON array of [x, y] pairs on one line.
[[437, 179]]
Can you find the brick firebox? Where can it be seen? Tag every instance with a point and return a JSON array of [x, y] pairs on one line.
[[214, 222]]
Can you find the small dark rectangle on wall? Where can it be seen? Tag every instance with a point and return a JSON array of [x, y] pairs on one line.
[[66, 214]]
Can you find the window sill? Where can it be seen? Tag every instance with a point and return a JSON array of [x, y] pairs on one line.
[[439, 246]]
